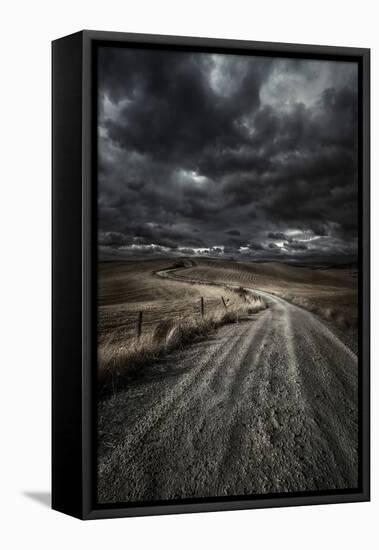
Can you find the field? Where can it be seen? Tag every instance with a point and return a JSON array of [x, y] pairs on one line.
[[143, 313], [330, 293], [225, 378], [150, 307]]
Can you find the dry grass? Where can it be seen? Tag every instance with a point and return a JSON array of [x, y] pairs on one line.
[[120, 360], [171, 306], [126, 288], [340, 309], [330, 293], [171, 321]]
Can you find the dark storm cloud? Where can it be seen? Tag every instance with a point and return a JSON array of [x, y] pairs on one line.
[[233, 155], [296, 245], [112, 238], [168, 108], [276, 235], [255, 246]]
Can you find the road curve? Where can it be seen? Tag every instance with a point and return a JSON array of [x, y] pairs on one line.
[[266, 405]]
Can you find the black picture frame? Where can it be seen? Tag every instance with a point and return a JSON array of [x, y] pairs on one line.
[[74, 272]]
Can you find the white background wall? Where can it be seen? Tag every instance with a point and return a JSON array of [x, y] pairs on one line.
[[27, 29]]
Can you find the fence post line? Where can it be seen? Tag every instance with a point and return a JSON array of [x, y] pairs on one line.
[[202, 306], [139, 324]]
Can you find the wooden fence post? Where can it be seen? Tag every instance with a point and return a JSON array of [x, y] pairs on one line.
[[139, 324], [202, 306], [223, 301]]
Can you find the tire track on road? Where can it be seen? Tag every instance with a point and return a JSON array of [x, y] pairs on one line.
[[266, 405]]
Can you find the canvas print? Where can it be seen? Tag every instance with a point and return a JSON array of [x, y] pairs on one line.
[[227, 276]]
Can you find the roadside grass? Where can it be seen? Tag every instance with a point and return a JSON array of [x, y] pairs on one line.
[[128, 357], [169, 296], [342, 315], [329, 293]]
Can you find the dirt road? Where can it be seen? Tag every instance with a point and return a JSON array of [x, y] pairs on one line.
[[267, 405]]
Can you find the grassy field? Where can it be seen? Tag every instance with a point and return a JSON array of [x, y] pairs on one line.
[[330, 293], [150, 307], [169, 314]]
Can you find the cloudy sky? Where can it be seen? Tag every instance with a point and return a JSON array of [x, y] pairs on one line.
[[231, 156]]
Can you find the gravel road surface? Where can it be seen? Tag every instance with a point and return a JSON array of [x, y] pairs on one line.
[[266, 405]]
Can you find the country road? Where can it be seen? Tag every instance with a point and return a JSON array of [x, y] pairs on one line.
[[266, 405]]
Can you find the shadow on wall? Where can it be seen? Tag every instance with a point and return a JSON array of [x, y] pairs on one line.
[[41, 497]]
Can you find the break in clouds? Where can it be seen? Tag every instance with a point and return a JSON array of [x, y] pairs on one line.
[[230, 156]]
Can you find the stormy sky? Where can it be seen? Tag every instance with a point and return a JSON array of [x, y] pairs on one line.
[[253, 158]]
